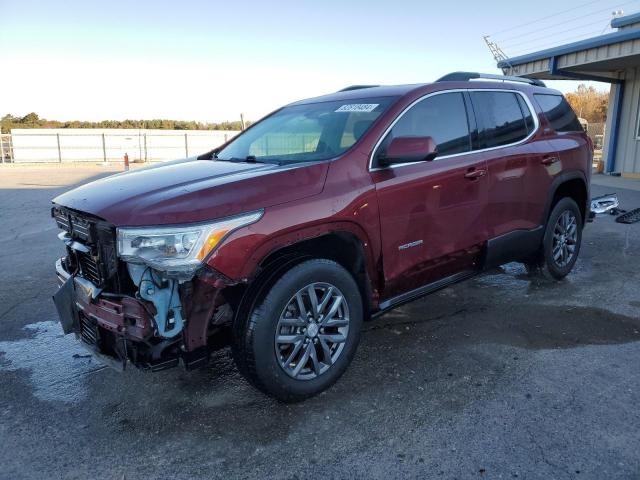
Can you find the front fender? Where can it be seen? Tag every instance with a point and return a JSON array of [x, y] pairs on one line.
[[242, 253]]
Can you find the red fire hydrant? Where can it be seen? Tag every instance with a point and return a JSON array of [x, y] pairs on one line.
[[126, 162]]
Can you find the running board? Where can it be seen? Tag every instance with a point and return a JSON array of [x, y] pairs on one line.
[[424, 290]]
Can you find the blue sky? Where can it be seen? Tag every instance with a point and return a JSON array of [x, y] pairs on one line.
[[209, 61]]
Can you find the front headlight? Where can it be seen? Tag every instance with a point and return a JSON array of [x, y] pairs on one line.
[[177, 250]]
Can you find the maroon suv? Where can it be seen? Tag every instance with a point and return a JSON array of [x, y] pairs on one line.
[[324, 214]]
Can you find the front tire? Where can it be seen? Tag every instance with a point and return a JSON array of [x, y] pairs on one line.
[[302, 331], [561, 242]]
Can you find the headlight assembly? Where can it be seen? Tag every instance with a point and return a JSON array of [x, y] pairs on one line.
[[178, 250]]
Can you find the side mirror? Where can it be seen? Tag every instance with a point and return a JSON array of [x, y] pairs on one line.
[[409, 149]]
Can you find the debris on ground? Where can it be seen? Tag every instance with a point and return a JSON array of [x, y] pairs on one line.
[[631, 216], [617, 211], [604, 203]]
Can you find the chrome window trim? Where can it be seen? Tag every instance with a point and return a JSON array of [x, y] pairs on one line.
[[526, 99]]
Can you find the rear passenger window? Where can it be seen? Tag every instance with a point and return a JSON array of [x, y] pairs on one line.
[[442, 117], [501, 119], [558, 113]]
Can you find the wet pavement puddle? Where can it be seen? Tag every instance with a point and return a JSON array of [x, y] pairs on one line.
[[511, 276], [57, 364]]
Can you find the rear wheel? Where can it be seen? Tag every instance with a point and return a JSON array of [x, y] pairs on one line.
[[561, 243], [302, 331]]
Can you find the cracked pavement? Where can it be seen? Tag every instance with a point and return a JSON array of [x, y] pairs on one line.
[[502, 376]]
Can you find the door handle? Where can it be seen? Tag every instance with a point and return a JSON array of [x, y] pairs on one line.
[[549, 160], [474, 174]]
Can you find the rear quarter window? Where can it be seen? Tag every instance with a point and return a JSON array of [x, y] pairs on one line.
[[558, 113]]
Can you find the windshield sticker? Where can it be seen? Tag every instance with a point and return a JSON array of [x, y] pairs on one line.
[[358, 107]]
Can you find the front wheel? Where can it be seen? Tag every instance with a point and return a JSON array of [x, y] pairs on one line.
[[561, 242], [302, 332]]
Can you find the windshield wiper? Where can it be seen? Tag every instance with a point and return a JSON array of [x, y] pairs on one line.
[[215, 156]]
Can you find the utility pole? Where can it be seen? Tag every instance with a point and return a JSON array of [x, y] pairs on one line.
[[104, 150], [59, 149]]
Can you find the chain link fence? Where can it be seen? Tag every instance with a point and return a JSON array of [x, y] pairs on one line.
[[104, 145], [6, 153], [596, 132]]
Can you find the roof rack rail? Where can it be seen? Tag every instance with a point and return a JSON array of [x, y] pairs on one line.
[[357, 87], [465, 76]]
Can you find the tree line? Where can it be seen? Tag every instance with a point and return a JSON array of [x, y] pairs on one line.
[[589, 103], [32, 120]]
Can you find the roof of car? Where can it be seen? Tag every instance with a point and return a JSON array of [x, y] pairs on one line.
[[364, 92]]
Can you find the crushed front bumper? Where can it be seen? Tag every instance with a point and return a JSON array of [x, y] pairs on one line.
[[120, 329], [117, 329], [121, 315]]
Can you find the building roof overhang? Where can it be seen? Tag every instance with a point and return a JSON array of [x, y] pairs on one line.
[[625, 21], [603, 58], [575, 47]]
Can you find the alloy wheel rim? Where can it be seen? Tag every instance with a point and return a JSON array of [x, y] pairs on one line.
[[565, 239], [312, 331]]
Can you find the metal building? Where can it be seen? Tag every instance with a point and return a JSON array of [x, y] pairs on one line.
[[613, 58]]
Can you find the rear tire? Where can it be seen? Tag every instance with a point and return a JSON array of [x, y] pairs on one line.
[[301, 332], [561, 242]]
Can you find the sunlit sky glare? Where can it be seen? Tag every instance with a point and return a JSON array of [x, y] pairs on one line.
[[209, 60]]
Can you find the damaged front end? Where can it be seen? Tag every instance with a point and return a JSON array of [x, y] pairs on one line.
[[142, 295]]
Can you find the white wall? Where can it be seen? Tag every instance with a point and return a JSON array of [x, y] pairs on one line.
[[86, 144]]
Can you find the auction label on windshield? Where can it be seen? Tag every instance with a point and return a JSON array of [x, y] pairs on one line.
[[358, 107]]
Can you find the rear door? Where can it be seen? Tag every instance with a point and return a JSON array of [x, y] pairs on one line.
[[432, 214], [518, 179]]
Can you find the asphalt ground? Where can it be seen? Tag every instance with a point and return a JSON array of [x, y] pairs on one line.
[[502, 376]]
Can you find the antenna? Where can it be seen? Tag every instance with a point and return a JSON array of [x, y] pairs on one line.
[[498, 54]]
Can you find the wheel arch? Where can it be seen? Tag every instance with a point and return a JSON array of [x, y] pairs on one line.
[[568, 184], [346, 246]]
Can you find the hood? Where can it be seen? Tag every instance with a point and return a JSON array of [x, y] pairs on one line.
[[192, 190]]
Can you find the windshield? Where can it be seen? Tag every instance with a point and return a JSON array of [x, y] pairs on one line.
[[309, 132]]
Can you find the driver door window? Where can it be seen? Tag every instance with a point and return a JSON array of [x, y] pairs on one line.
[[442, 117]]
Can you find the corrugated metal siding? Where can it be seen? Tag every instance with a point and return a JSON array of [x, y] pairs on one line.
[[539, 66], [607, 52], [582, 57], [628, 154], [630, 26]]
